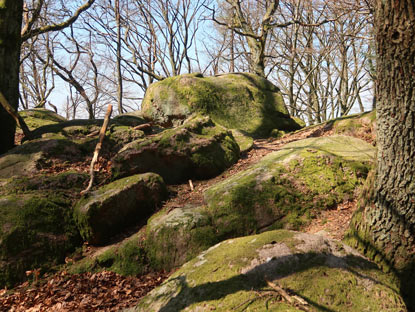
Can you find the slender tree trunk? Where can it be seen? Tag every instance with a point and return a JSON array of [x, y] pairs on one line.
[[119, 73], [10, 26], [232, 67], [386, 229]]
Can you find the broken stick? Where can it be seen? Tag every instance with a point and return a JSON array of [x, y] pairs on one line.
[[192, 188], [12, 112], [98, 148], [292, 299]]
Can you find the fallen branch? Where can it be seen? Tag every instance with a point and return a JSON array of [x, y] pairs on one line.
[[144, 127], [98, 148], [19, 120], [192, 188], [292, 299]]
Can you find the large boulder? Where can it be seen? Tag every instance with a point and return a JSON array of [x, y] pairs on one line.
[[37, 230], [38, 117], [286, 189], [117, 205], [243, 101], [256, 272], [197, 149]]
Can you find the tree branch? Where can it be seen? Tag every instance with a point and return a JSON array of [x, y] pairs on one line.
[[37, 31]]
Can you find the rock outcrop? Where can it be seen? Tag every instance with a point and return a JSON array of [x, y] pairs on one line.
[[286, 189], [197, 149], [317, 273], [241, 101]]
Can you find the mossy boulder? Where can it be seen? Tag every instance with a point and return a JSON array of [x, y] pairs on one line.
[[68, 141], [37, 117], [197, 149], [117, 205], [242, 101], [288, 187], [245, 142], [324, 274], [36, 231], [177, 236], [127, 258], [84, 133], [29, 158]]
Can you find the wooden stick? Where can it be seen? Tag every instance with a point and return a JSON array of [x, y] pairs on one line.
[[192, 188], [19, 120], [98, 148], [291, 299]]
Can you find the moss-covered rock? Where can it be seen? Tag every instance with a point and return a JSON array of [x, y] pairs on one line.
[[29, 158], [362, 126], [237, 101], [131, 119], [113, 207], [69, 182], [197, 149], [177, 236], [126, 258], [36, 231], [286, 188], [84, 133], [38, 117], [233, 275], [245, 142]]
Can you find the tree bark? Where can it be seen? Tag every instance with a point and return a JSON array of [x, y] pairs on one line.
[[395, 185], [386, 229], [11, 12]]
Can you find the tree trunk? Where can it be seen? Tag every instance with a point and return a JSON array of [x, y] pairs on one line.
[[385, 230], [10, 26]]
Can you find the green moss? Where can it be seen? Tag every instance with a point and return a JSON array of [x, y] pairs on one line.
[[197, 149], [288, 187], [228, 275], [38, 117], [237, 101], [39, 225]]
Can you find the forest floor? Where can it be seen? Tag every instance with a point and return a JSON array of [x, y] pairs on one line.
[[108, 291]]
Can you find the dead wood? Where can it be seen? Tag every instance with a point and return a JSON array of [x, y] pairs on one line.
[[98, 148]]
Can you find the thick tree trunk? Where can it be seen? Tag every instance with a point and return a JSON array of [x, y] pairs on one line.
[[395, 184], [10, 27], [385, 230]]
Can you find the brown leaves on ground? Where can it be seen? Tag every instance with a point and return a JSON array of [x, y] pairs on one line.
[[104, 291]]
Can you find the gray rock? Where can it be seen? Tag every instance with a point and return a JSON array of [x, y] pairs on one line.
[[323, 274], [113, 207], [197, 149]]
